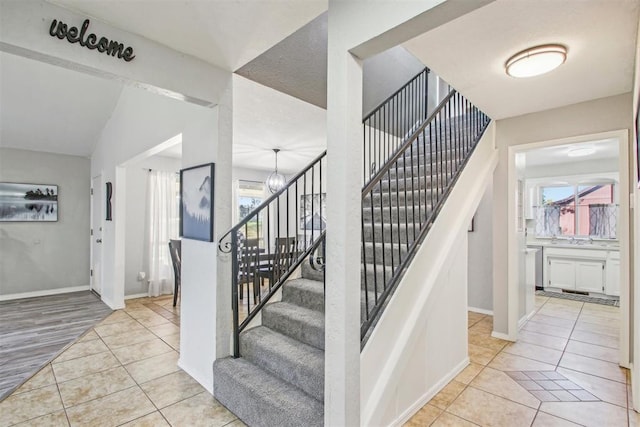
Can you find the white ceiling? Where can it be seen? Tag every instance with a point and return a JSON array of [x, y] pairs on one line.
[[224, 33], [470, 52], [604, 149], [48, 108]]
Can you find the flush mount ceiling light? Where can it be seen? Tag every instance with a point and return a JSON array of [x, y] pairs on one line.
[[580, 151], [536, 60], [275, 181]]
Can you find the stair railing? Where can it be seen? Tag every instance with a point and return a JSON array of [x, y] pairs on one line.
[[417, 178], [393, 121], [273, 240]]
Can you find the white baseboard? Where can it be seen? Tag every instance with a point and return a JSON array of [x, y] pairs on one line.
[[133, 296], [501, 336], [207, 383], [43, 293], [480, 310], [411, 411]]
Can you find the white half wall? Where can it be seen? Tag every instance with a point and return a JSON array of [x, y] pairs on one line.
[[43, 258]]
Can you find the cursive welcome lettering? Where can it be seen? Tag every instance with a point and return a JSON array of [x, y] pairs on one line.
[[74, 35]]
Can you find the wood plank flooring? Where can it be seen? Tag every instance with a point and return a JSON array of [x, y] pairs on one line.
[[34, 330]]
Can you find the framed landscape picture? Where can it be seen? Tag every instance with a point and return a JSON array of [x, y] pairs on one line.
[[28, 202], [196, 202]]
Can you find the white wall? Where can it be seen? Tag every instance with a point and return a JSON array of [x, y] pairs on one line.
[[136, 255], [46, 257], [592, 117], [385, 73], [480, 290]]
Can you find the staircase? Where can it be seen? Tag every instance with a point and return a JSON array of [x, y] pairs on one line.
[[279, 380], [276, 377]]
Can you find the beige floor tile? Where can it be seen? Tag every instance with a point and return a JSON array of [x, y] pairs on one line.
[[634, 418], [600, 310], [153, 367], [594, 351], [604, 389], [596, 414], [91, 335], [611, 331], [152, 320], [56, 419], [447, 395], [43, 378], [114, 409], [28, 405], [173, 341], [484, 340], [136, 311], [236, 423], [199, 410], [611, 322], [140, 351], [481, 355], [535, 352], [510, 362], [473, 317], [424, 417], [172, 388], [500, 384], [546, 420], [483, 326], [449, 420], [81, 349], [487, 409], [154, 419], [594, 338], [118, 328], [94, 386], [542, 340], [165, 329], [82, 366], [563, 313], [469, 373], [116, 316], [542, 328], [553, 321], [595, 367], [124, 339]]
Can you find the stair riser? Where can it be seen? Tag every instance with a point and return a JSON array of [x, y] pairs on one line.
[[394, 215], [309, 273], [429, 183], [392, 233], [371, 285], [308, 378], [294, 328], [385, 253], [418, 197], [412, 168], [303, 298]]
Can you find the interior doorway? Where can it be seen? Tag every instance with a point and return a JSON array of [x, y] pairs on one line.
[[96, 234], [535, 216]]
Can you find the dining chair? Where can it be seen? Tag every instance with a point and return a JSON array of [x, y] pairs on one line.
[[284, 255], [248, 260], [176, 260]]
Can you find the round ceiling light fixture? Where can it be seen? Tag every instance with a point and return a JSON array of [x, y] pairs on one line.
[[581, 151], [536, 60]]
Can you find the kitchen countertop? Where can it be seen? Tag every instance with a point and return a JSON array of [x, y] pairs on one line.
[[596, 245]]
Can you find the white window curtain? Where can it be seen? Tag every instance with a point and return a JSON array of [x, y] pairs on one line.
[[162, 210]]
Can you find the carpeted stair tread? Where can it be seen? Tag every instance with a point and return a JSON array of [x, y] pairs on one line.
[[261, 399], [304, 293], [299, 364], [296, 322]]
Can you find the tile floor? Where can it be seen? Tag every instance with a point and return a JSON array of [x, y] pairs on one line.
[[561, 372], [122, 372]]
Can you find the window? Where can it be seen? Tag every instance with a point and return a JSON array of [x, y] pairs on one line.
[[250, 196], [577, 210]]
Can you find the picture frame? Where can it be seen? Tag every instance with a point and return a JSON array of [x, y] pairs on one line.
[[196, 202], [22, 202]]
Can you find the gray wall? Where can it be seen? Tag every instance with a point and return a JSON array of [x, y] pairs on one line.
[[385, 73], [45, 256], [480, 264]]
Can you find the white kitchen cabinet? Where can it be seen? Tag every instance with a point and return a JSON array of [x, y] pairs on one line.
[[589, 276], [612, 282], [562, 273]]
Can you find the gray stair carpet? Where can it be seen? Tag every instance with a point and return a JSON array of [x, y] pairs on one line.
[[279, 378]]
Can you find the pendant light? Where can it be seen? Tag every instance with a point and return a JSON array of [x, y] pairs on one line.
[[275, 181]]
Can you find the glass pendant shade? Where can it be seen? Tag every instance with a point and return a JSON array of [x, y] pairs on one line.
[[276, 181]]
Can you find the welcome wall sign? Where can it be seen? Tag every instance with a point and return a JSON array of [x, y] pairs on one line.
[[74, 35]]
